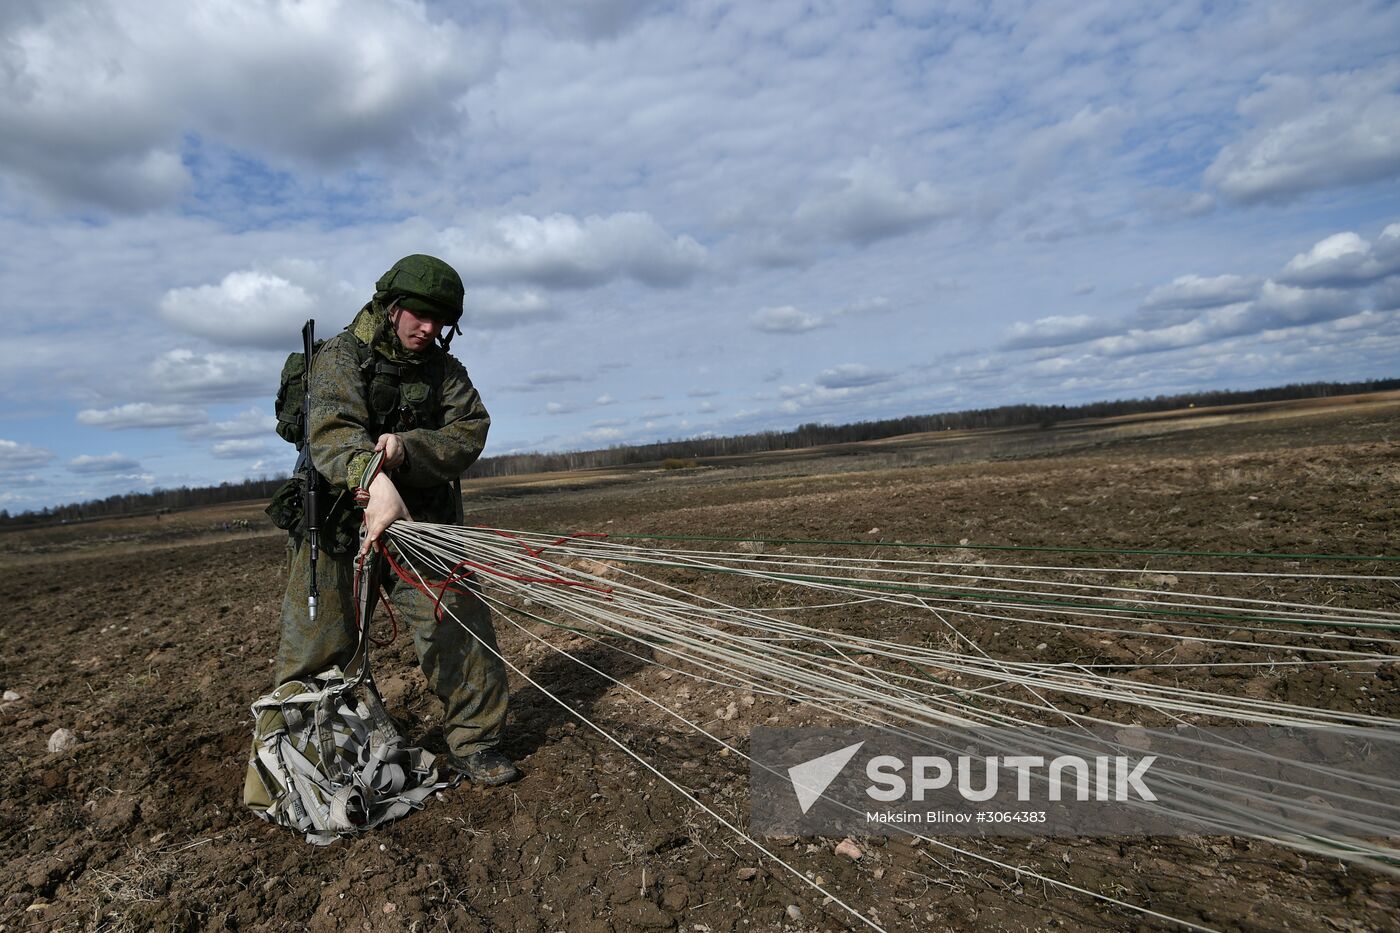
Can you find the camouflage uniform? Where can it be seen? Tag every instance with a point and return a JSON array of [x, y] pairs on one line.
[[445, 434]]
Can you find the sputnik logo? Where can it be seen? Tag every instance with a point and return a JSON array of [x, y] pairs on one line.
[[811, 778]]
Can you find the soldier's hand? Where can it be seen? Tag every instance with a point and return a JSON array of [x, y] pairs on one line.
[[385, 507], [393, 450]]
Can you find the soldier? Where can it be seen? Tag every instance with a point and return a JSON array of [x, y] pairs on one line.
[[388, 383]]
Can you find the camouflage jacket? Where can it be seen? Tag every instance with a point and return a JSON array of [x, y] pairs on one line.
[[432, 406]]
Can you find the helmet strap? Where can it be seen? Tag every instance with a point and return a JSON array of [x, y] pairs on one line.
[[445, 338]]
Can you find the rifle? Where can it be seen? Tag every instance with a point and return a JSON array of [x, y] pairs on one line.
[[313, 476]]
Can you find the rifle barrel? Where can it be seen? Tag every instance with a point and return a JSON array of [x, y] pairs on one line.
[[308, 340]]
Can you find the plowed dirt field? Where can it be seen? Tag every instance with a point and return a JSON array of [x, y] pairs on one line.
[[148, 638]]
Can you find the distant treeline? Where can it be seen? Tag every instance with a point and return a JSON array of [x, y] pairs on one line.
[[816, 435], [146, 503], [807, 435]]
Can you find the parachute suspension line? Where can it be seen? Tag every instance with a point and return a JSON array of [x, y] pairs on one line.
[[1026, 548], [808, 633], [1103, 722], [1245, 606], [901, 567], [414, 578], [832, 686], [508, 611], [1066, 680], [879, 595]]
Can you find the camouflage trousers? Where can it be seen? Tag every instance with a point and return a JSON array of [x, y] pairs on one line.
[[456, 654]]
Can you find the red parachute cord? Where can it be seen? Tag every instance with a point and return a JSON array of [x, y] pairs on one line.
[[463, 570], [389, 609]]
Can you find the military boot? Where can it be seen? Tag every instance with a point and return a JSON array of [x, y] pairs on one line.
[[486, 767]]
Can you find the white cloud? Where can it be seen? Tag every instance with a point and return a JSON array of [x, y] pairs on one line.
[[1289, 306], [876, 305], [1176, 203], [142, 415], [867, 202], [560, 251], [547, 379], [586, 19], [883, 153], [107, 463], [494, 308], [1195, 291], [1054, 331], [17, 456], [784, 320], [257, 307], [254, 422], [1386, 295], [267, 467], [238, 448], [1313, 133], [1044, 151], [96, 99], [790, 320], [850, 376], [1278, 306], [204, 377], [1345, 259]]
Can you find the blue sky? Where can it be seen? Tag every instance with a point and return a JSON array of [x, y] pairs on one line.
[[680, 218]]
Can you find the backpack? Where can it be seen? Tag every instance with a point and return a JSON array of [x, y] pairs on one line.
[[328, 760], [291, 396]]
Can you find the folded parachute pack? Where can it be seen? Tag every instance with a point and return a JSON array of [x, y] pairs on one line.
[[328, 760]]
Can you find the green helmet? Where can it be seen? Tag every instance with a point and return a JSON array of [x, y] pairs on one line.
[[424, 285]]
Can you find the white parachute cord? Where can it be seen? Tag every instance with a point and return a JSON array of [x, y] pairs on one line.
[[594, 549], [1018, 870], [809, 699], [553, 542], [1060, 680], [443, 608], [960, 607], [867, 698], [1241, 604]]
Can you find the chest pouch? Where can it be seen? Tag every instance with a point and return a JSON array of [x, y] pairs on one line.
[[384, 393], [415, 411], [400, 405]]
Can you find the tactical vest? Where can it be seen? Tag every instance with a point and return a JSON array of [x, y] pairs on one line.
[[400, 398], [395, 404]]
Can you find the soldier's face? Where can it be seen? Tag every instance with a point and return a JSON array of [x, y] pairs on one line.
[[415, 333]]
